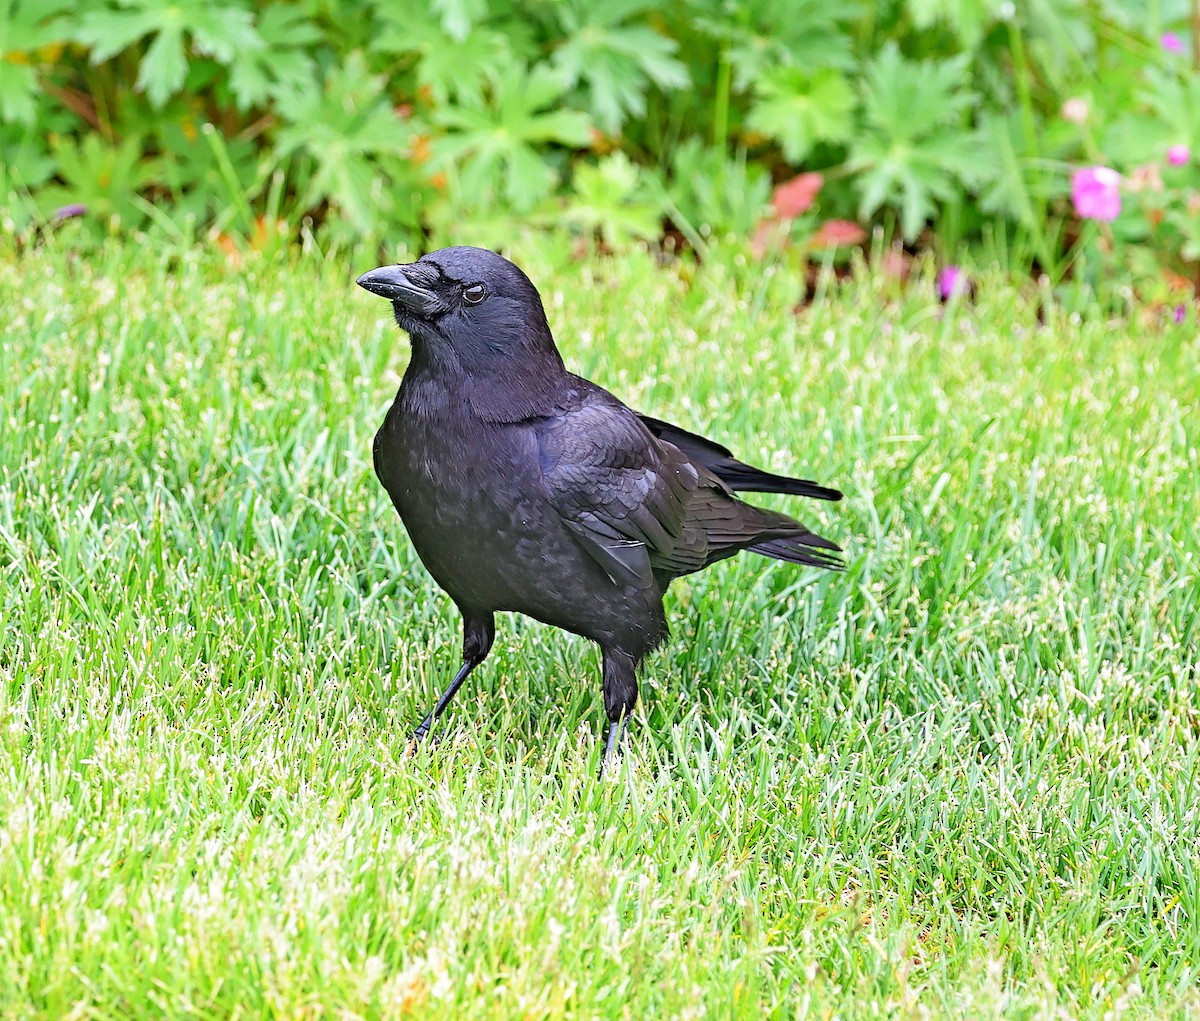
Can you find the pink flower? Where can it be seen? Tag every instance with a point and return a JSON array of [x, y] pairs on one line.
[[952, 281], [1179, 155], [1096, 193], [1171, 42], [1076, 110], [1147, 177], [69, 212], [1180, 313]]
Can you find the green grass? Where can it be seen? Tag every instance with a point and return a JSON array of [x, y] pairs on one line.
[[959, 779]]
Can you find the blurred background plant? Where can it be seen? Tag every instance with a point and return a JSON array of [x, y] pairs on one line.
[[951, 126]]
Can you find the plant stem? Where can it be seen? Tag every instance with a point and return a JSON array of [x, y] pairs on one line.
[[1022, 75], [1196, 35], [721, 101]]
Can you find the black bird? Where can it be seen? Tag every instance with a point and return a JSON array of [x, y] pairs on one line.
[[527, 488]]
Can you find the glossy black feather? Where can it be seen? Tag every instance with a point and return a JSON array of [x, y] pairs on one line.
[[737, 475], [524, 487]]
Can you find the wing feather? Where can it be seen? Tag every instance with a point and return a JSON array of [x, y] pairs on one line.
[[642, 508]]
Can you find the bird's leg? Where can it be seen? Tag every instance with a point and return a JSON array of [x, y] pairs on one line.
[[478, 632], [612, 749], [620, 696]]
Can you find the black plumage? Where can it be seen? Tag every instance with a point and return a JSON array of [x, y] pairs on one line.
[[525, 487]]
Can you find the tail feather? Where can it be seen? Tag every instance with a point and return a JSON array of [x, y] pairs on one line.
[[737, 475], [809, 549], [731, 525], [747, 479]]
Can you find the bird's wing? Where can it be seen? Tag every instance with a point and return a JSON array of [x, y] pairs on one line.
[[627, 499], [736, 474]]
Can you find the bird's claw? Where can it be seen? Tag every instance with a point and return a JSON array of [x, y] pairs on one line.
[[420, 734]]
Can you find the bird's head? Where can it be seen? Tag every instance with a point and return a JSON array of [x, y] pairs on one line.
[[466, 302]]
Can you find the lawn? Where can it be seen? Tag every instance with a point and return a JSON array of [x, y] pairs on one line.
[[959, 779]]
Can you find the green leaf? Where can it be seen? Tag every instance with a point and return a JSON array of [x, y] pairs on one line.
[[490, 143], [913, 149], [759, 35], [798, 109], [615, 62], [1006, 190], [968, 19], [611, 199], [712, 194], [24, 156], [107, 179], [26, 25], [915, 177], [449, 68], [458, 16], [164, 66], [343, 129], [909, 99], [18, 93], [108, 32], [281, 62], [1174, 103], [224, 33]]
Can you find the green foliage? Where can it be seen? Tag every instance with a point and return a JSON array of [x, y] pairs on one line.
[[282, 64], [107, 179], [612, 200], [614, 60], [225, 33], [491, 143], [757, 36], [25, 26], [377, 119], [968, 19], [799, 109], [714, 195], [448, 68], [344, 128], [907, 152]]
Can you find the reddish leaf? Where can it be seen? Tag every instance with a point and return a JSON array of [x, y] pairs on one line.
[[229, 246], [267, 232], [601, 143], [895, 264], [769, 235], [833, 233], [797, 195]]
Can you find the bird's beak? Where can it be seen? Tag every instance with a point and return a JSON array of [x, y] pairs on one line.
[[410, 286]]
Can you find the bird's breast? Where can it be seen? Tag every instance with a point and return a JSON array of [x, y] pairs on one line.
[[470, 497]]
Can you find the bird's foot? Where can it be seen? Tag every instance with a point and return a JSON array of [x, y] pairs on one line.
[[421, 733], [612, 749]]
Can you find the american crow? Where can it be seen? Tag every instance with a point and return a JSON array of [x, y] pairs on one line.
[[527, 488]]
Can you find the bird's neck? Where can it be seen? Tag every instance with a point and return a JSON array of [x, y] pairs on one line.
[[500, 390]]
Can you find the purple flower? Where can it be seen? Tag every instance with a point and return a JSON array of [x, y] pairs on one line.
[[1179, 155], [1096, 193], [1180, 313], [69, 212], [952, 281], [1171, 42]]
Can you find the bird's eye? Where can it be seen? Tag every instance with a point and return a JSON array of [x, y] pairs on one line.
[[474, 294]]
